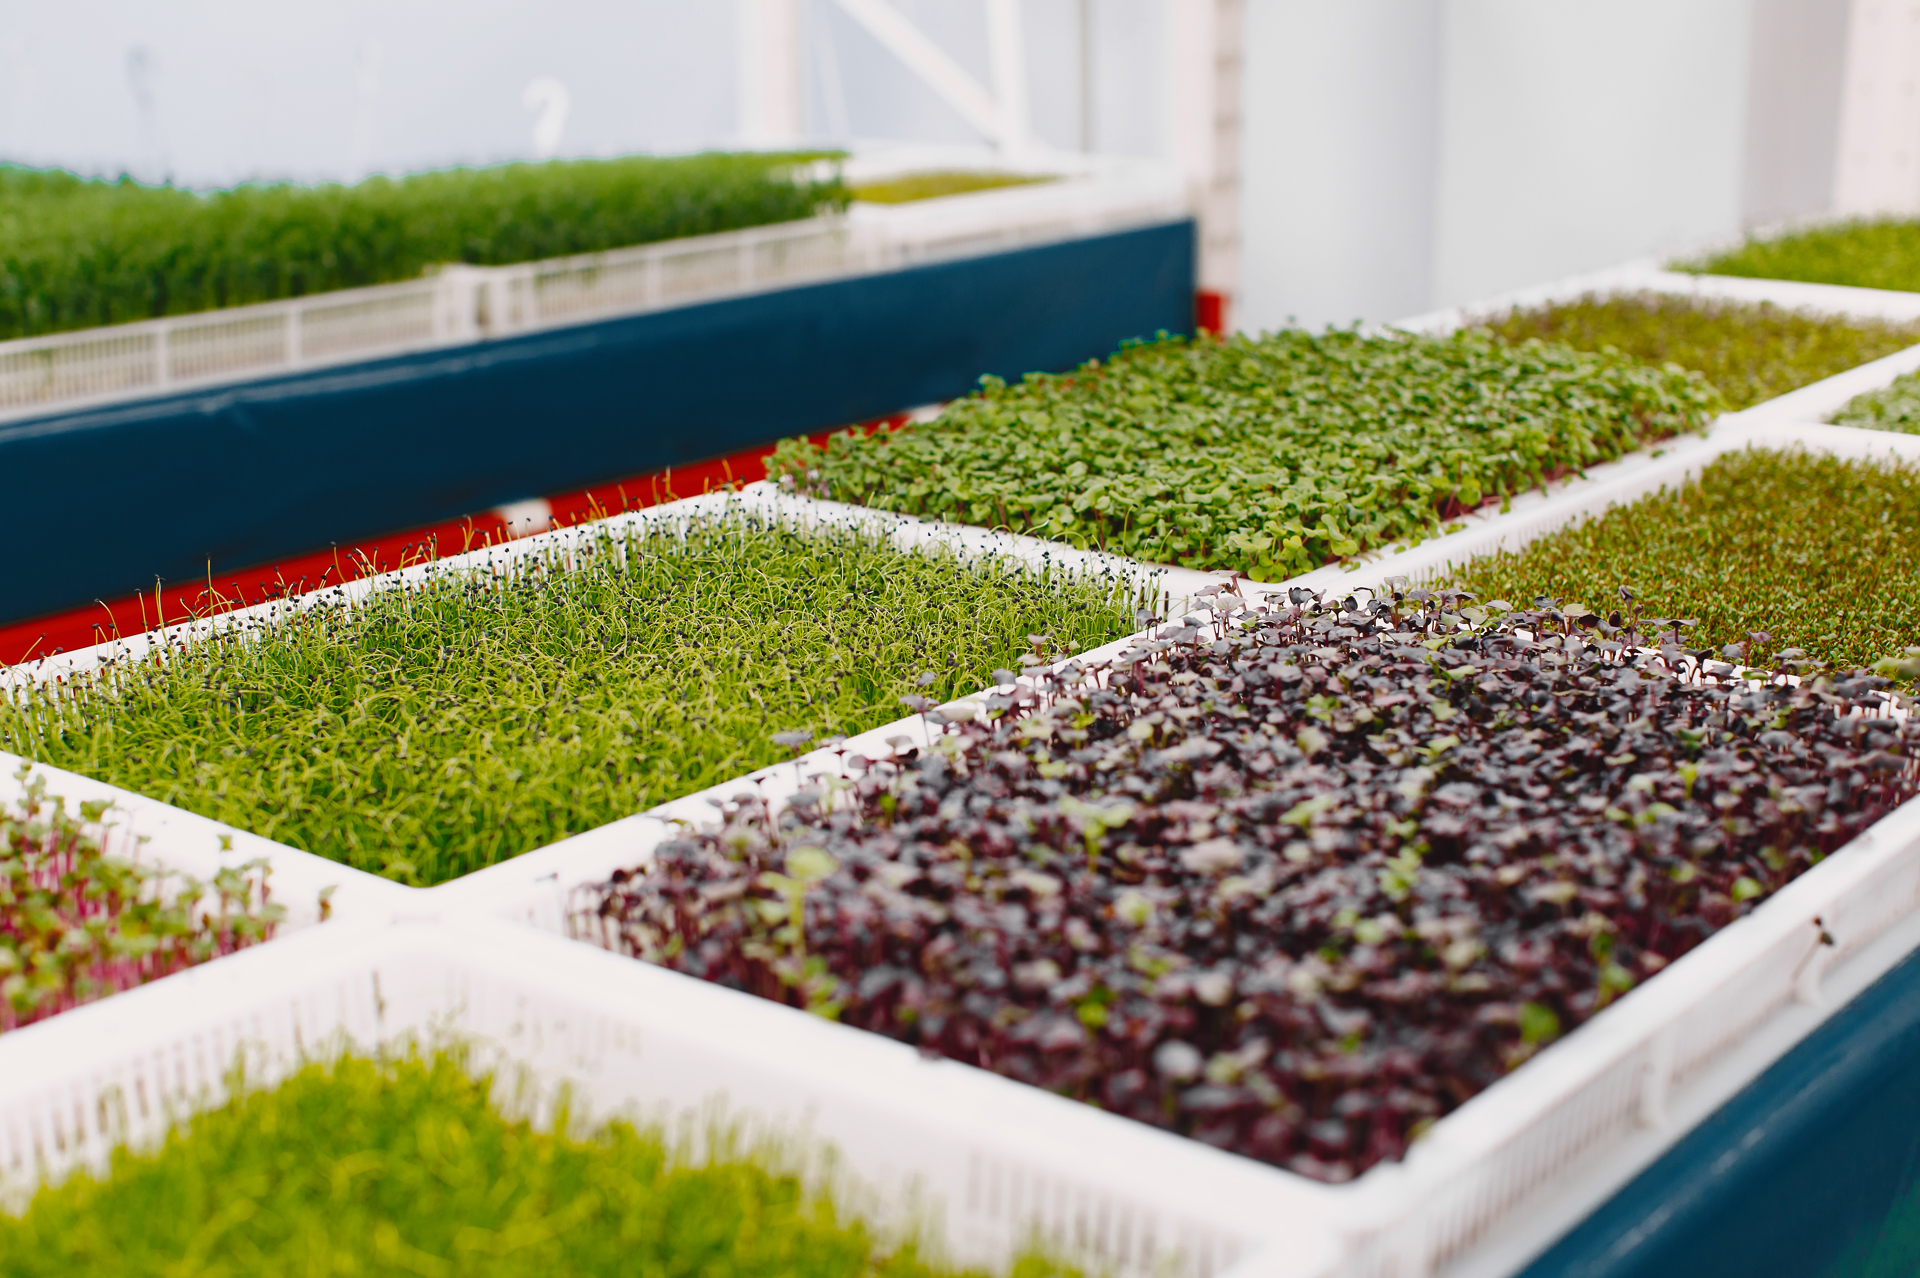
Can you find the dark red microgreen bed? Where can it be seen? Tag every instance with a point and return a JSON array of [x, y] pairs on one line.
[[1295, 882]]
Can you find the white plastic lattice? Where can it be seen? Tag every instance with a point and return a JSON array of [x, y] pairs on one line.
[[985, 1161]]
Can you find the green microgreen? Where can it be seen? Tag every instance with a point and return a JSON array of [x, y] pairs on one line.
[[1815, 552], [428, 732], [405, 1165], [76, 253], [1268, 455], [1895, 407], [78, 924], [1749, 352], [1862, 252], [928, 186]]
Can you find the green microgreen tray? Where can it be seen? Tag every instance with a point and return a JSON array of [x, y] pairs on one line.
[[1894, 407], [911, 187], [76, 253], [1750, 352], [1267, 455], [406, 1165], [429, 732], [1815, 552], [1860, 252]]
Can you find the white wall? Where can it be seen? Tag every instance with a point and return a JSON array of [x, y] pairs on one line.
[[1339, 123], [1405, 155], [1575, 135], [245, 89], [1794, 87]]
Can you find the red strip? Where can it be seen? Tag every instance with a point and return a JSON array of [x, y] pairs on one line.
[[83, 627], [1210, 311]]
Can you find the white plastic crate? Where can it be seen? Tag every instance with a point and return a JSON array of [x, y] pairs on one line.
[[988, 1163]]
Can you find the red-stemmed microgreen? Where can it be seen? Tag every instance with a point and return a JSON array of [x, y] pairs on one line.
[[1293, 879], [78, 922]]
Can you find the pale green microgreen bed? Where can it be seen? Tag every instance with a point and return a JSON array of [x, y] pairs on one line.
[[431, 731], [409, 1165]]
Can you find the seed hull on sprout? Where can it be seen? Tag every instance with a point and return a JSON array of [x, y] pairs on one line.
[[429, 731], [1295, 884]]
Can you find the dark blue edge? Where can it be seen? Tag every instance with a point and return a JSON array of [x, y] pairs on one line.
[[1808, 1171], [173, 487]]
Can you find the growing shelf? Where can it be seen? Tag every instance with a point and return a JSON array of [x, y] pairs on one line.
[[696, 230], [1340, 816], [1633, 1078]]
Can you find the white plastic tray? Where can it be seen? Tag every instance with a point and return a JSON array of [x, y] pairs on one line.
[[1648, 276], [1814, 402], [985, 1161], [1534, 514], [182, 840]]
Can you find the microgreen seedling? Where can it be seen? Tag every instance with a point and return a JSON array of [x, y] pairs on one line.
[[1294, 879], [1264, 456], [432, 730], [78, 923]]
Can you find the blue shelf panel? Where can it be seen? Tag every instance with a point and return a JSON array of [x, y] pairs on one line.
[[111, 498], [1809, 1172]]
